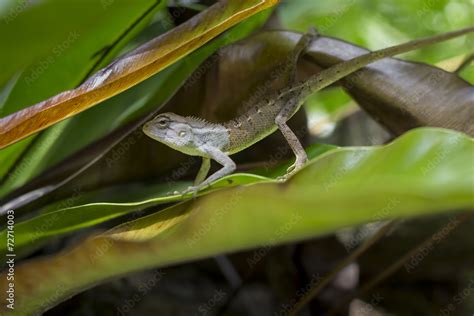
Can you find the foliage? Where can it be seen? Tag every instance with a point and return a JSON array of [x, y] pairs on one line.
[[209, 66]]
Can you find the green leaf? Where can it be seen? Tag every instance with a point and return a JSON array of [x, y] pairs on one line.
[[423, 172], [82, 210], [385, 22], [61, 217], [55, 143], [145, 97], [58, 219], [130, 69], [58, 58]]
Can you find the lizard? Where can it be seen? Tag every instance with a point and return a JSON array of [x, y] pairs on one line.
[[217, 141]]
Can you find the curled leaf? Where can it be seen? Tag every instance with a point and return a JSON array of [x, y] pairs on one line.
[[417, 174], [399, 94], [130, 69]]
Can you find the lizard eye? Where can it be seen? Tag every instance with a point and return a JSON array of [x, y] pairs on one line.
[[182, 134], [162, 122]]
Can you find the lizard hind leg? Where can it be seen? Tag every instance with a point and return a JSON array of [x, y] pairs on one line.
[[290, 108], [295, 144], [303, 43], [203, 171]]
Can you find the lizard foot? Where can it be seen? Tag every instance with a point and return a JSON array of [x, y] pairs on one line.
[[194, 189], [299, 163], [294, 168], [286, 176], [282, 178], [191, 189]]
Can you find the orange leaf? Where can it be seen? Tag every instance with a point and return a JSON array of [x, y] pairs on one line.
[[130, 69]]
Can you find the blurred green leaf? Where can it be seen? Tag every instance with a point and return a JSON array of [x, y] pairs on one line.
[[82, 210], [149, 94], [38, 36], [54, 144], [423, 172], [144, 98], [129, 70], [58, 219], [384, 23], [56, 58]]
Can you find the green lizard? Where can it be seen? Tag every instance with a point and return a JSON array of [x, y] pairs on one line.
[[197, 137]]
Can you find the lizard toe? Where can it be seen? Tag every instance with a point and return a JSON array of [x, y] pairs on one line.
[[299, 163], [291, 168]]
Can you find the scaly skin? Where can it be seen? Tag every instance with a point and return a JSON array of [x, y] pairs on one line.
[[197, 137]]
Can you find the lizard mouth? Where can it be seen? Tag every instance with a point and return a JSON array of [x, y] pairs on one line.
[[150, 131]]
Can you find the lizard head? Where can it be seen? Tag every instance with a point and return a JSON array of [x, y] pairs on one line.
[[170, 129], [188, 135]]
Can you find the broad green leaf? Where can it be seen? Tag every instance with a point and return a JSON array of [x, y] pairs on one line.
[[130, 69], [425, 171], [60, 56], [119, 110], [31, 44], [82, 210], [58, 219]]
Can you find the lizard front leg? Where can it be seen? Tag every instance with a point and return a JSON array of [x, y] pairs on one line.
[[227, 163]]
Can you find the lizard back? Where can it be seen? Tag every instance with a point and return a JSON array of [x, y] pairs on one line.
[[254, 125]]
